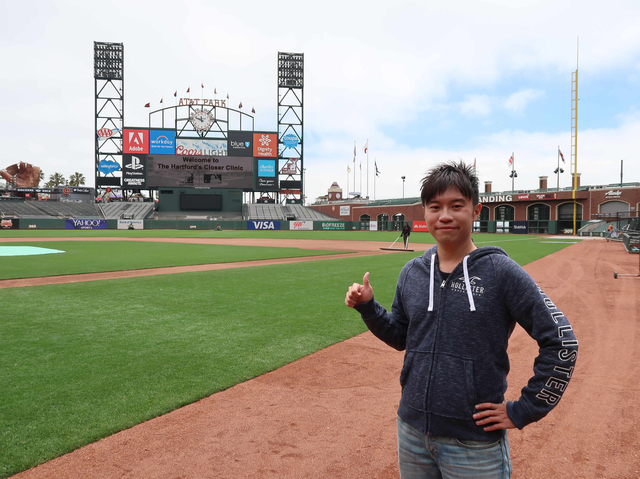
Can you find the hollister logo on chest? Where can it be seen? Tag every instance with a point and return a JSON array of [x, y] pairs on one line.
[[474, 282]]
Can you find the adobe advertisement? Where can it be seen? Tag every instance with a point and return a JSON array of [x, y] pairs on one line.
[[135, 141], [199, 171], [265, 145]]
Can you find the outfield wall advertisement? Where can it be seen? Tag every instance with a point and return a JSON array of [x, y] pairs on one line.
[[130, 224], [301, 225], [199, 171], [263, 225], [333, 226], [88, 224]]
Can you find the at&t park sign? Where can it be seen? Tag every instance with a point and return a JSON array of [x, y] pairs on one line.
[[201, 102]]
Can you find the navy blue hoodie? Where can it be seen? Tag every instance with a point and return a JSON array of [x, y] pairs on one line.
[[455, 334]]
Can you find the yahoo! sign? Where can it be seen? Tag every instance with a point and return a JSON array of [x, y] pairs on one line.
[[85, 224]]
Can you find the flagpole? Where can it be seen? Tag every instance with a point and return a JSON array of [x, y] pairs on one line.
[[354, 166], [558, 170], [360, 178], [374, 179], [367, 167], [513, 166]]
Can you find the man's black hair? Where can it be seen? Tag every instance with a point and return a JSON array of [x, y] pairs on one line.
[[442, 176]]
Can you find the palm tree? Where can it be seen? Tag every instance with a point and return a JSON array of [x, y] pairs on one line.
[[76, 179], [56, 180]]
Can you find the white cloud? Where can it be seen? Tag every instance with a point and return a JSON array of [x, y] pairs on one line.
[[518, 101], [475, 105]]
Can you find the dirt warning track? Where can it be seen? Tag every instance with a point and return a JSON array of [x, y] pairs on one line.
[[332, 414]]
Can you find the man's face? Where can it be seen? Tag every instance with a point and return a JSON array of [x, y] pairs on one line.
[[450, 217]]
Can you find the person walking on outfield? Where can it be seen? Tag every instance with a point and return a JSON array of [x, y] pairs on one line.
[[454, 310], [406, 231]]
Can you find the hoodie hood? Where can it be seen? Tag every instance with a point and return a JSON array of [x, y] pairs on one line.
[[430, 256]]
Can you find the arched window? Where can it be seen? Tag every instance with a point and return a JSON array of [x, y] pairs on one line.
[[382, 221], [366, 218], [505, 213], [484, 214], [565, 212], [538, 212], [398, 217], [613, 207]]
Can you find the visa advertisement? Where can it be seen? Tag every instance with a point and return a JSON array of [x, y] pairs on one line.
[[263, 225], [174, 171]]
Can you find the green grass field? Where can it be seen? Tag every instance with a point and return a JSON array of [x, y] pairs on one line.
[[81, 361], [99, 256]]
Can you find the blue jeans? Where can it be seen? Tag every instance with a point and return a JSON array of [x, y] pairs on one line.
[[421, 456]]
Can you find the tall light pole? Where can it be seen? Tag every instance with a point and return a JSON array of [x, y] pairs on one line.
[[402, 186]]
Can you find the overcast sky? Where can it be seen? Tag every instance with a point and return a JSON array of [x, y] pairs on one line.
[[423, 81]]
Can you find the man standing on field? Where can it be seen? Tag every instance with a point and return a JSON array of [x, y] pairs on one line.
[[454, 310]]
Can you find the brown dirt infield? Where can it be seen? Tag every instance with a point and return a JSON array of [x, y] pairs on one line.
[[332, 414]]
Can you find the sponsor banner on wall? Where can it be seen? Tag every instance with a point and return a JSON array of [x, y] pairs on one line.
[[240, 143], [333, 226], [267, 168], [522, 197], [134, 171], [162, 142], [267, 184], [89, 224], [263, 225], [520, 227], [419, 226], [290, 140], [130, 224], [545, 196], [173, 171], [301, 225], [345, 211], [8, 224], [265, 145], [373, 226], [496, 199], [291, 168], [108, 166], [201, 147], [135, 141]]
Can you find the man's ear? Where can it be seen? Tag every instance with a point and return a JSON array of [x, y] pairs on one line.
[[476, 211]]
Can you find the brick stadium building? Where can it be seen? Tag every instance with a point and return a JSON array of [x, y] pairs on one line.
[[545, 210]]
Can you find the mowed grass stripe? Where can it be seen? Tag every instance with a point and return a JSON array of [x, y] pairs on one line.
[[103, 256], [81, 361]]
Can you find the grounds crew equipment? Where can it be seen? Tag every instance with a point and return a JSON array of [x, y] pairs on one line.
[[391, 248]]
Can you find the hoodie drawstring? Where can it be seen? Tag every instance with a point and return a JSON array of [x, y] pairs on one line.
[[433, 265], [472, 304]]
